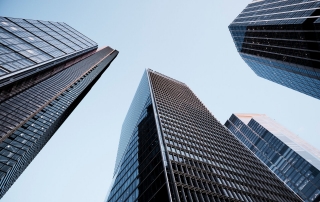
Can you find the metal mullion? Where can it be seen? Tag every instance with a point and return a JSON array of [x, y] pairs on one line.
[[281, 54], [182, 193], [194, 196], [21, 61], [67, 34], [281, 47], [188, 194], [10, 116], [75, 33], [78, 33], [47, 103], [53, 36], [5, 123], [200, 197], [268, 8], [74, 36], [164, 152], [25, 40], [282, 12], [23, 57]]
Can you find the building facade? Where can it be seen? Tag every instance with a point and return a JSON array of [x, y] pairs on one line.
[[280, 41], [173, 149], [46, 68], [292, 159]]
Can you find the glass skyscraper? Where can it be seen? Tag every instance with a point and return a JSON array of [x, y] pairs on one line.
[[46, 68], [280, 41], [293, 160], [173, 149]]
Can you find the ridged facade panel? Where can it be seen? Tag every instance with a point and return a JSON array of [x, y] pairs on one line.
[[18, 109], [22, 84], [207, 162], [30, 118]]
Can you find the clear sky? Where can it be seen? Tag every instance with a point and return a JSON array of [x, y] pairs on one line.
[[186, 40]]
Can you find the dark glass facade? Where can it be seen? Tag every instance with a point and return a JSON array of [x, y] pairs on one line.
[[36, 99], [25, 43], [280, 41], [173, 149], [293, 160], [140, 175], [32, 50]]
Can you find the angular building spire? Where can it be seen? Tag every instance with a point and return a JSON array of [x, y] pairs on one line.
[[173, 149]]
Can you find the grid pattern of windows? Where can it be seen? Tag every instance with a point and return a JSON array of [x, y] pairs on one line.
[[17, 109], [207, 162], [282, 35], [24, 43], [26, 82], [284, 75], [276, 12], [296, 172], [30, 118], [140, 175]]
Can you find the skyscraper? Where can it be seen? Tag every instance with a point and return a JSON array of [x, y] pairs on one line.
[[46, 68], [280, 40], [293, 160], [173, 149]]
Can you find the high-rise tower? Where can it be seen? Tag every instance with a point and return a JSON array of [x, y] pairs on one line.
[[173, 149], [292, 159], [280, 41], [46, 68]]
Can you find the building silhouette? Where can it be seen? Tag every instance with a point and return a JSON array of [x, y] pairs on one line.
[[280, 41], [46, 68], [292, 159], [173, 149]]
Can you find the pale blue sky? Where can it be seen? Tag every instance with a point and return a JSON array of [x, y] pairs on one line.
[[186, 40]]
